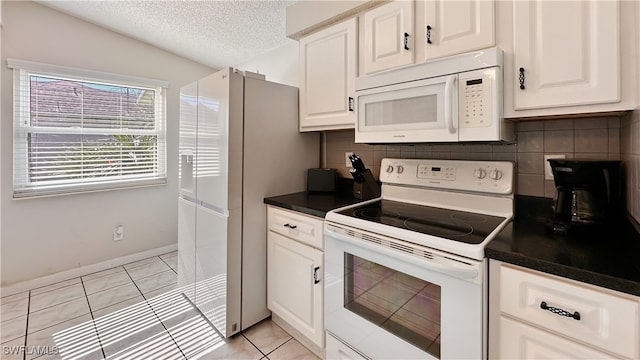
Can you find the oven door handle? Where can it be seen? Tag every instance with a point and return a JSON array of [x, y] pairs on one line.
[[447, 269]]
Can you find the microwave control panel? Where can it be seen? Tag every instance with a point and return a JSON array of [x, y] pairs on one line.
[[476, 98]]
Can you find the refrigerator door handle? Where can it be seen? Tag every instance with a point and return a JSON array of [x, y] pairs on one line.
[[213, 208]]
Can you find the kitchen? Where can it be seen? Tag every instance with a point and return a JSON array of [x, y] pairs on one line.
[[576, 137]]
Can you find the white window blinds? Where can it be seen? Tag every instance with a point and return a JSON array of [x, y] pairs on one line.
[[85, 131]]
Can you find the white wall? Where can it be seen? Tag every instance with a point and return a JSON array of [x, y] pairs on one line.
[[279, 65], [42, 236]]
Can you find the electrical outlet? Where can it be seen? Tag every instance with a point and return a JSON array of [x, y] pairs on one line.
[[347, 162], [118, 233], [548, 174]]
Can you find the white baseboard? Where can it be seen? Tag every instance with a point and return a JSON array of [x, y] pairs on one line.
[[84, 270]]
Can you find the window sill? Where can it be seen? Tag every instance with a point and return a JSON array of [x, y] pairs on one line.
[[83, 189]]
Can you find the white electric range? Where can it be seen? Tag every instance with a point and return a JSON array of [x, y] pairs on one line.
[[405, 274]]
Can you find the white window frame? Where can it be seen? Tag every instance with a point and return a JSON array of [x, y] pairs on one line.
[[23, 188]]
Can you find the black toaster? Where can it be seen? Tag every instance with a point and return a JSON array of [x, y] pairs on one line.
[[321, 180]]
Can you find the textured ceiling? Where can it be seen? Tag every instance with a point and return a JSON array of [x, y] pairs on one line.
[[213, 32]]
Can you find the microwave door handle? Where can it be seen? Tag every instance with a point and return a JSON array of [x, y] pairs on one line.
[[448, 103]]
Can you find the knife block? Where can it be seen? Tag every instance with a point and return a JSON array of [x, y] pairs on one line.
[[367, 188]]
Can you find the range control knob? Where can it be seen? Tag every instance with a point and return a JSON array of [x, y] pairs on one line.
[[480, 173], [390, 168], [399, 169], [495, 174]]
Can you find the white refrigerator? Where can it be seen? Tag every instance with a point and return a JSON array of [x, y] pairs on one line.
[[239, 143]]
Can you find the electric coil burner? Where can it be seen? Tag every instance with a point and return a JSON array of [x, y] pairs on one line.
[[406, 273]]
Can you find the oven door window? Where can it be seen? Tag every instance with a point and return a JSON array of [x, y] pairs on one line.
[[404, 305]]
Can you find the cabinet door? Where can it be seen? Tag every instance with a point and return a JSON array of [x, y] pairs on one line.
[[446, 28], [520, 341], [295, 286], [387, 37], [327, 74], [591, 316], [565, 53]]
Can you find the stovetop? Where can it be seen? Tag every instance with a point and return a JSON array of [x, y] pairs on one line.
[[460, 226], [455, 206]]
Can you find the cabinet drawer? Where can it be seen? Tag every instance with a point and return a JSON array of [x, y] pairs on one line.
[[303, 228], [520, 341], [606, 320]]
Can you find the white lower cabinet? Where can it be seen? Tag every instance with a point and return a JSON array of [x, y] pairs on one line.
[[534, 315], [295, 272], [520, 341]]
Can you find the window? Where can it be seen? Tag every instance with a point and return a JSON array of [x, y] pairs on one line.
[[84, 131]]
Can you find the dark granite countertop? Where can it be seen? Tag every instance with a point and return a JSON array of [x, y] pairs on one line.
[[610, 260], [317, 203]]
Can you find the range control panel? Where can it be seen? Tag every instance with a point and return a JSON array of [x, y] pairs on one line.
[[479, 176]]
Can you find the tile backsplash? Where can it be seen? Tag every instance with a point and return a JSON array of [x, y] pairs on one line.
[[580, 138]]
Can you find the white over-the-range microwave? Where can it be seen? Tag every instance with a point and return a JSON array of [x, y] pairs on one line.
[[458, 98]]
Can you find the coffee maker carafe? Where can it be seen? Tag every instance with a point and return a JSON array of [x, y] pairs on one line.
[[588, 195]]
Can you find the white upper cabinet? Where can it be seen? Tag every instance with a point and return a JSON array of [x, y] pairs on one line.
[[565, 53], [386, 37], [446, 27], [328, 60]]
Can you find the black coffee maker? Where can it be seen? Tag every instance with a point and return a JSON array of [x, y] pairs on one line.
[[588, 195]]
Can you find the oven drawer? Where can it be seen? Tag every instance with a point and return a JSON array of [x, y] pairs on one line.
[[303, 228], [578, 311], [337, 350]]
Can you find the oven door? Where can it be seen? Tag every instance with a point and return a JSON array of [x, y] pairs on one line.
[[415, 111], [389, 299]]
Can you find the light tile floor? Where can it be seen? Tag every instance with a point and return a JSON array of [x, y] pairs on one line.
[[133, 311]]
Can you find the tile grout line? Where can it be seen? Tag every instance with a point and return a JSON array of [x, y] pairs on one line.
[[176, 272], [154, 311], [148, 276], [254, 345], [281, 345], [26, 328], [95, 327], [137, 266], [48, 291]]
